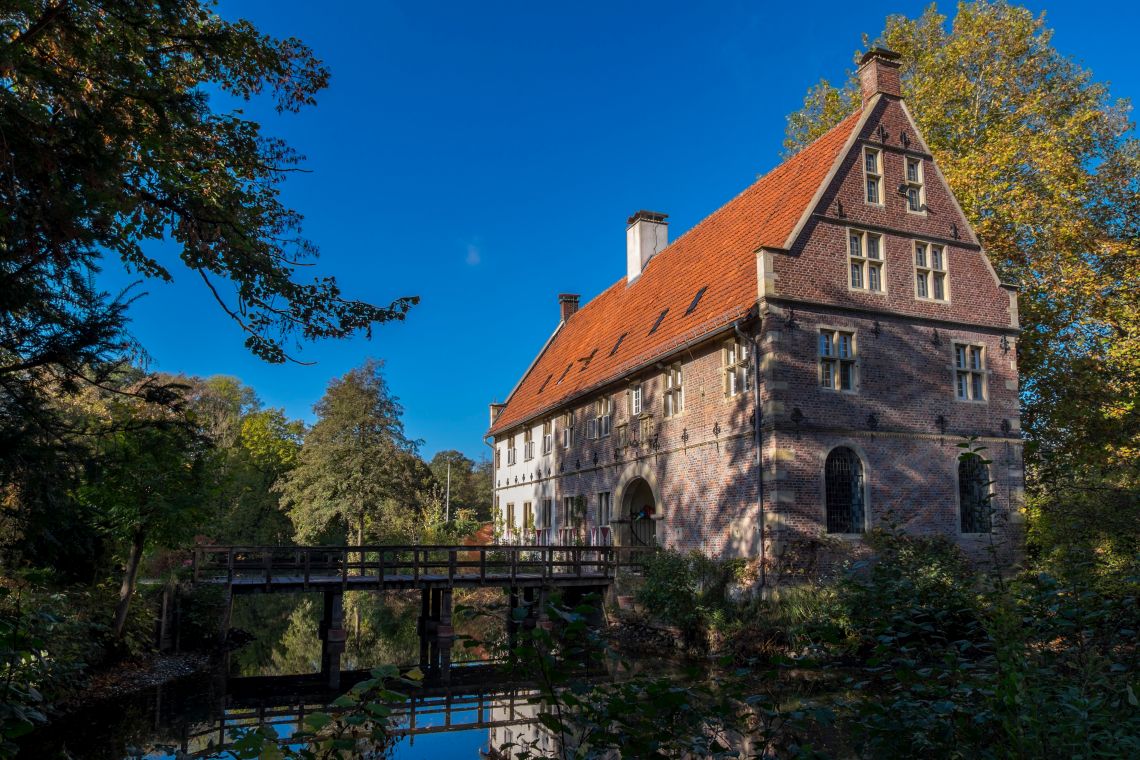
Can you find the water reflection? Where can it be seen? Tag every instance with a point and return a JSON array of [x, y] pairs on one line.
[[273, 680]]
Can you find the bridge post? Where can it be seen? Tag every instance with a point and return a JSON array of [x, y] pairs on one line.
[[332, 636], [528, 602], [422, 628], [445, 635]]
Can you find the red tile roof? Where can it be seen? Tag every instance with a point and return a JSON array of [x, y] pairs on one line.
[[718, 253]]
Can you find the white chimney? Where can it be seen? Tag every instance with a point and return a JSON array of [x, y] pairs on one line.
[[645, 237]]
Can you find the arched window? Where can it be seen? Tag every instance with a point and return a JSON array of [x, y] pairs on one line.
[[844, 475], [973, 494]]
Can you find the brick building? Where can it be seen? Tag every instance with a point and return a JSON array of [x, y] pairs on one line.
[[843, 294]]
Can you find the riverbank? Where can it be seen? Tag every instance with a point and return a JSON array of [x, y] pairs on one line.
[[134, 675]]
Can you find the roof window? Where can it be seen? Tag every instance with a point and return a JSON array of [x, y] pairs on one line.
[[696, 300], [618, 344], [660, 318]]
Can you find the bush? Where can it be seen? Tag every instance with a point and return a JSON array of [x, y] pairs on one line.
[[688, 590]]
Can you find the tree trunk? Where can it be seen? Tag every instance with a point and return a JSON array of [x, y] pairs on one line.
[[130, 575]]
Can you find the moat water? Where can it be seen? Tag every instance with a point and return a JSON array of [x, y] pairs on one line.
[[477, 709]]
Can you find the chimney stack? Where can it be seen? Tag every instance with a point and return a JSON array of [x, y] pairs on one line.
[[567, 304], [645, 237], [496, 410], [879, 73]]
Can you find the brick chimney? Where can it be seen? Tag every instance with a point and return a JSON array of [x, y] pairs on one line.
[[567, 304], [645, 237], [879, 73]]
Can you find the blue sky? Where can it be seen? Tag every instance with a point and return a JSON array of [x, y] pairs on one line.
[[485, 156]]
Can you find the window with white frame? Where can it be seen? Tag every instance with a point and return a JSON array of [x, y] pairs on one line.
[[873, 173], [510, 450], [546, 514], [930, 271], [865, 251], [599, 424], [567, 420], [528, 444], [737, 378], [605, 508], [837, 360], [674, 390], [605, 513], [969, 372], [635, 398], [547, 436], [915, 192]]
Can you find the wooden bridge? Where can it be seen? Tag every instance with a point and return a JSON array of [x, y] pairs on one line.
[[529, 573], [267, 569]]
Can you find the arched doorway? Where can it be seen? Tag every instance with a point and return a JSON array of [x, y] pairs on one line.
[[640, 508]]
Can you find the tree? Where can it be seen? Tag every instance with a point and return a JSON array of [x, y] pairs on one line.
[[1046, 167], [357, 472], [251, 448], [147, 483], [470, 484], [112, 143]]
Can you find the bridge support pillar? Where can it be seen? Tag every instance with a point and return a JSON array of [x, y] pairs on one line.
[[332, 635], [542, 613], [529, 602]]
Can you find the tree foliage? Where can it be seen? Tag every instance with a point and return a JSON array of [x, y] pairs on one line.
[[114, 146], [357, 474], [1046, 166]]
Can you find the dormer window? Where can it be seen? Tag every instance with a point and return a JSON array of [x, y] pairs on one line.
[[873, 174], [915, 193], [865, 251]]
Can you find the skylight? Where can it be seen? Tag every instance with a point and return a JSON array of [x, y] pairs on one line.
[[657, 324], [566, 372], [618, 344], [696, 300], [586, 360], [542, 387]]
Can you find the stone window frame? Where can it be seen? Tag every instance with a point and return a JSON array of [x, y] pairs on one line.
[[875, 177], [971, 372], [511, 527], [736, 378], [855, 361], [636, 398], [528, 444], [511, 454], [917, 184], [600, 424], [865, 262], [673, 391], [925, 269], [547, 436], [567, 429], [867, 505], [528, 523]]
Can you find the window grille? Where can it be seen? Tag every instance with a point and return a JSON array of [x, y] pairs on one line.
[[843, 473], [973, 494]]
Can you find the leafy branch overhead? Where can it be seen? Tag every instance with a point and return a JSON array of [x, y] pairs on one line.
[[110, 143]]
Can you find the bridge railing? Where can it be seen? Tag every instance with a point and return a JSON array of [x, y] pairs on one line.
[[351, 564]]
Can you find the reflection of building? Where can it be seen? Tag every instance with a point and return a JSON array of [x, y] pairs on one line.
[[845, 294]]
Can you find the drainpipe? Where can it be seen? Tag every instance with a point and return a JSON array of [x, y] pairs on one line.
[[758, 442], [490, 441]]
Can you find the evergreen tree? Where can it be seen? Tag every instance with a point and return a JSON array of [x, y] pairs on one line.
[[357, 475]]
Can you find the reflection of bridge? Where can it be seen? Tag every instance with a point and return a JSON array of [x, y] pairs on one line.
[[531, 572], [477, 696]]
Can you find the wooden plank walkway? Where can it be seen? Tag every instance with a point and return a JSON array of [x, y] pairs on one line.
[[268, 569]]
